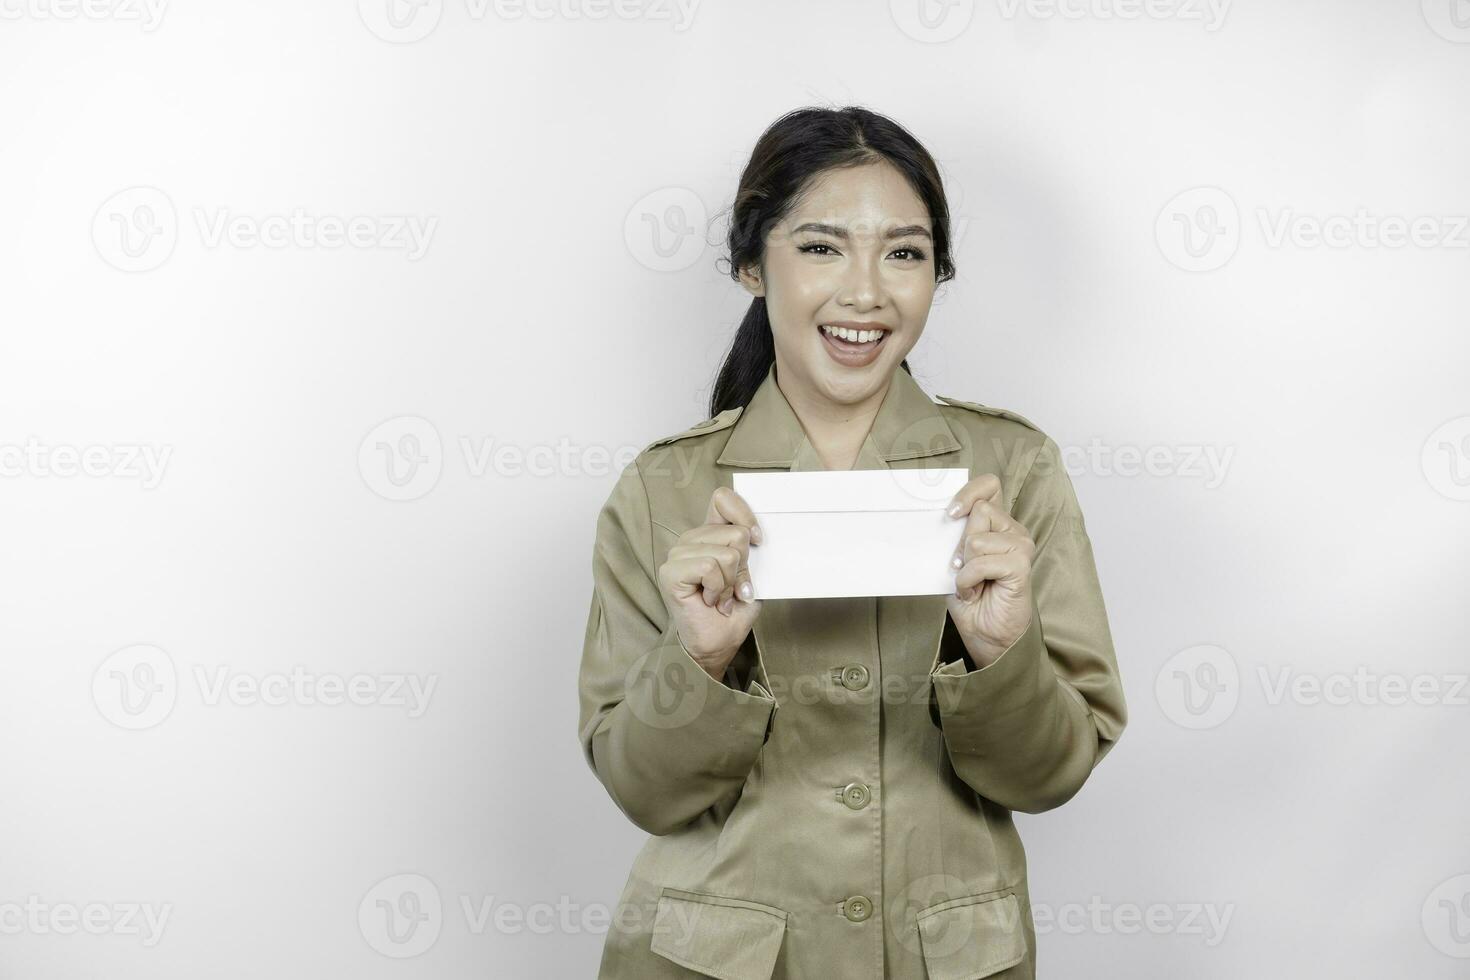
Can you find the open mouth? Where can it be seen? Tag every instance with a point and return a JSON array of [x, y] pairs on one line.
[[851, 345]]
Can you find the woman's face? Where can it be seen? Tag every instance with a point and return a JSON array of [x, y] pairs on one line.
[[856, 251]]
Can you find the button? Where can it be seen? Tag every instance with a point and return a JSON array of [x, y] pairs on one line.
[[854, 677], [855, 795], [857, 908]]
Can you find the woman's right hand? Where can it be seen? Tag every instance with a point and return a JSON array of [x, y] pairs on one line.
[[706, 582]]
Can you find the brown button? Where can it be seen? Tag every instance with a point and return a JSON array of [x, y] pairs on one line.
[[857, 908], [856, 795], [854, 677]]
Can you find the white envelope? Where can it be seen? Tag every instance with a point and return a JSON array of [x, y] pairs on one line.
[[853, 532]]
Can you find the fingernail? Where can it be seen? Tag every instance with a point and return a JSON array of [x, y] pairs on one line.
[[954, 509], [727, 605], [756, 534], [746, 591], [955, 561]]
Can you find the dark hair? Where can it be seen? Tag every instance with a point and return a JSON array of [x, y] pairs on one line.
[[789, 154]]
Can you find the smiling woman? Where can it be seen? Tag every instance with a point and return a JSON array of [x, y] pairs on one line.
[[810, 816]]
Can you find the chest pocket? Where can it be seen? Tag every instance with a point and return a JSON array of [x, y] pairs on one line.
[[726, 938]]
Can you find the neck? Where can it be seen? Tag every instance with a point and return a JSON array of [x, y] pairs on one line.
[[835, 430]]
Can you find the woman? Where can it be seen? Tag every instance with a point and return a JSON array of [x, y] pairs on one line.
[[829, 782]]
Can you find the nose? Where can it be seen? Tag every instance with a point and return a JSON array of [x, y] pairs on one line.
[[862, 284]]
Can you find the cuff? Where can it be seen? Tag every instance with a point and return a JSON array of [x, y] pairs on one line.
[[669, 690], [1007, 684]]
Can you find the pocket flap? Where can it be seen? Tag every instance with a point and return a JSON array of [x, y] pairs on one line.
[[727, 938], [972, 937]]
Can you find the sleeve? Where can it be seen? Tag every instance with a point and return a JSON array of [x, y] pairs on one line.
[[666, 740], [1028, 729]]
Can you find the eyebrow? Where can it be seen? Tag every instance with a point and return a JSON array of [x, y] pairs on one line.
[[837, 231]]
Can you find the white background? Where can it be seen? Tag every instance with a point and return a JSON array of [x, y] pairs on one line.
[[539, 312]]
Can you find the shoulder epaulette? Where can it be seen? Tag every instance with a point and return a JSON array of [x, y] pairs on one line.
[[722, 421], [988, 410]]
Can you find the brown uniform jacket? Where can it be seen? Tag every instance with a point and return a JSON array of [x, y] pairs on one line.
[[841, 805]]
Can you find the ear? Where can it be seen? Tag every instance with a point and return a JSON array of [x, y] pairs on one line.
[[750, 278]]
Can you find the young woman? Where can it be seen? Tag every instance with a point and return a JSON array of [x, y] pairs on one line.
[[829, 782]]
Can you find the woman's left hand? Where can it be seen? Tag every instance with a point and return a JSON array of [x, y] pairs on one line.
[[991, 606]]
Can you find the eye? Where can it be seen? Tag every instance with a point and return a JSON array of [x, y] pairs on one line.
[[914, 254]]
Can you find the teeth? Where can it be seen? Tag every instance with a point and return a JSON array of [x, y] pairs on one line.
[[853, 336]]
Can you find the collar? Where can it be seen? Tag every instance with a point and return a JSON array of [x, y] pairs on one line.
[[768, 433]]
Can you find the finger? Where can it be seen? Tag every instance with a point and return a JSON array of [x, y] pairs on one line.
[[1009, 569], [693, 573], [744, 587], [730, 555], [985, 515], [735, 536], [992, 543], [986, 486], [728, 507]]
